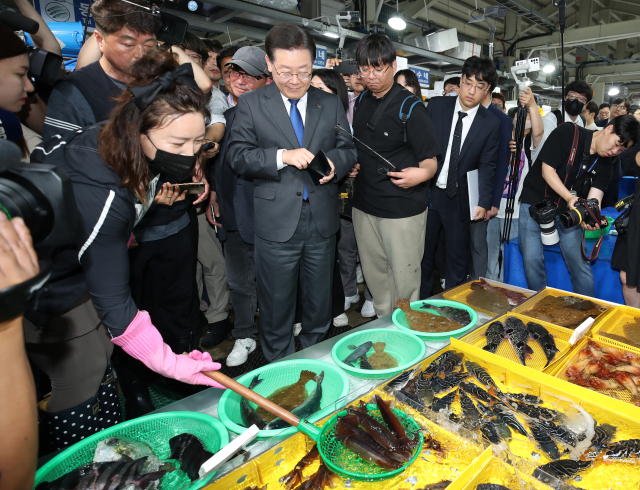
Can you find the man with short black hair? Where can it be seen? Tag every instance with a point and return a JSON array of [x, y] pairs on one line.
[[390, 202], [554, 177], [451, 86], [635, 111], [603, 111], [278, 131], [223, 59], [469, 136], [620, 107], [211, 66], [589, 113], [124, 32]]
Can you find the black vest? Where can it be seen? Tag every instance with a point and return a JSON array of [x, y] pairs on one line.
[[98, 89]]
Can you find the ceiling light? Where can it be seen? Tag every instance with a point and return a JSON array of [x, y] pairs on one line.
[[614, 91], [396, 22], [331, 34], [549, 68]]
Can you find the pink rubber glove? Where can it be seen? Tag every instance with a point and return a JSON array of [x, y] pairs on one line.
[[142, 341]]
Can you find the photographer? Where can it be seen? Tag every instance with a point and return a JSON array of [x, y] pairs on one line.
[[18, 417], [555, 184], [157, 127]]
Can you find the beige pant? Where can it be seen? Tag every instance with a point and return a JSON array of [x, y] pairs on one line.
[[390, 253], [211, 266]]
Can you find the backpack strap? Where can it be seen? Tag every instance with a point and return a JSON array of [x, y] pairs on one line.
[[558, 115], [371, 125], [405, 117]]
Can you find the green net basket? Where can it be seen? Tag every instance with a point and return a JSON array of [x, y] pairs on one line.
[[406, 347], [594, 235], [399, 319], [335, 386], [347, 464], [154, 430]]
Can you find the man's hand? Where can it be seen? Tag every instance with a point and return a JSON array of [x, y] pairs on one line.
[[409, 177], [590, 228], [572, 201], [491, 213], [331, 62], [354, 171], [168, 194], [18, 259], [212, 152], [328, 178], [512, 145], [216, 210], [480, 212], [299, 158]]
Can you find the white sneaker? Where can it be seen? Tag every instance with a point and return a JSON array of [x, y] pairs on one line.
[[341, 320], [297, 328], [240, 353], [359, 274], [351, 300], [368, 311]]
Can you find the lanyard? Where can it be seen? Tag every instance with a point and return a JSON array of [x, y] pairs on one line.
[[582, 166]]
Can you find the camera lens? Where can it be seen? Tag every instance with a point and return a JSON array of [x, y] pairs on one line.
[[570, 218], [19, 197], [549, 234]]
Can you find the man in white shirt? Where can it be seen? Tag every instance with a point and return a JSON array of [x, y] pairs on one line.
[[589, 113]]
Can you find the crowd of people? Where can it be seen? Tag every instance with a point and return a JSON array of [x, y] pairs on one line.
[[305, 179]]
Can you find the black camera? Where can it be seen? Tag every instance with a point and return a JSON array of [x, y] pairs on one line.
[[585, 210], [42, 196], [544, 213]]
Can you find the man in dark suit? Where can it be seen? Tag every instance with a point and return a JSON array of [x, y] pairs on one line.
[[469, 136], [277, 131], [234, 216], [620, 107]]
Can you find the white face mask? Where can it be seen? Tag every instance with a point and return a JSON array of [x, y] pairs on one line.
[[451, 94]]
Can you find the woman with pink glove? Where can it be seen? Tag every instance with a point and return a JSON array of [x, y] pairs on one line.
[[157, 127]]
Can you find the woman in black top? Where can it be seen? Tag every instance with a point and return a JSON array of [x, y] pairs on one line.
[[156, 129]]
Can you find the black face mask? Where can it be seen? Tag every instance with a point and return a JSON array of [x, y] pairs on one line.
[[573, 107], [170, 163]]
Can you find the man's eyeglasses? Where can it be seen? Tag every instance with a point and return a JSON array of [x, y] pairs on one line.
[[236, 75], [285, 76], [471, 87], [377, 73], [579, 98], [619, 106]]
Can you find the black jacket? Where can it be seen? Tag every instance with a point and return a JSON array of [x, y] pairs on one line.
[[99, 260], [479, 151]]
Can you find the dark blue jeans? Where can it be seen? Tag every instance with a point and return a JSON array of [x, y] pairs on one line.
[[570, 245]]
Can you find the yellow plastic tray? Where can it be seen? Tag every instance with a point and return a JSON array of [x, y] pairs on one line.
[[461, 293], [621, 394], [615, 321], [538, 359], [489, 469], [531, 302]]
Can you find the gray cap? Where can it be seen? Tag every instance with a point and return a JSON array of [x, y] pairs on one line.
[[251, 59]]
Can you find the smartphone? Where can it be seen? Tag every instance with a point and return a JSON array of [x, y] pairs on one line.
[[192, 187], [346, 68], [208, 146]]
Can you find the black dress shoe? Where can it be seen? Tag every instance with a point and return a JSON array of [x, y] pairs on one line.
[[216, 334]]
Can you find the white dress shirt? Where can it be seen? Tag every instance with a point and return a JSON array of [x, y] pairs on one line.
[[466, 125], [230, 101], [302, 107]]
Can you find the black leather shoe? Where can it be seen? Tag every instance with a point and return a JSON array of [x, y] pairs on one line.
[[216, 334]]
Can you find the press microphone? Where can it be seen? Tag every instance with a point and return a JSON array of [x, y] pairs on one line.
[[18, 21]]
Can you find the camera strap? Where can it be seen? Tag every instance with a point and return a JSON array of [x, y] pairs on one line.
[[570, 161], [14, 299], [595, 251]]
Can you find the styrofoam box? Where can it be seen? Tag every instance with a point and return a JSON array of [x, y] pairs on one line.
[[465, 50], [443, 40]]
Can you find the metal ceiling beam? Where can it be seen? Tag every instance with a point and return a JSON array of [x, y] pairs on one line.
[[527, 12], [224, 15], [587, 35]]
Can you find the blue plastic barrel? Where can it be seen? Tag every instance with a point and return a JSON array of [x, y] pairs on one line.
[[69, 33]]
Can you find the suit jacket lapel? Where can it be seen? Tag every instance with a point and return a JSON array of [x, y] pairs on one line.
[[474, 130], [314, 109], [231, 115], [277, 111], [445, 127]]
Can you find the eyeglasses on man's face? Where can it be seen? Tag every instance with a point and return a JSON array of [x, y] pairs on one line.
[[578, 97], [285, 76], [377, 73], [235, 75], [472, 88], [621, 107]]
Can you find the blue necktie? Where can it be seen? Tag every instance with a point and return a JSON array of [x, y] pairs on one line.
[[298, 127]]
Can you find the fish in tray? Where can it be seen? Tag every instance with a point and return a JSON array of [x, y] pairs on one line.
[[439, 384], [542, 437], [524, 398], [443, 402], [514, 298], [509, 418], [483, 377], [247, 412], [475, 391], [288, 397], [490, 432], [491, 486], [495, 336], [400, 381], [423, 389], [627, 449], [435, 364], [449, 365], [441, 485], [305, 410], [566, 311], [518, 335], [381, 359], [541, 335], [561, 469], [424, 321], [190, 452], [358, 352], [456, 314], [114, 475], [470, 414]]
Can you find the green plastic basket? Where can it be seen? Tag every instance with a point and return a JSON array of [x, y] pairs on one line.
[[348, 465], [594, 235], [154, 430], [335, 387], [400, 321], [407, 348]]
